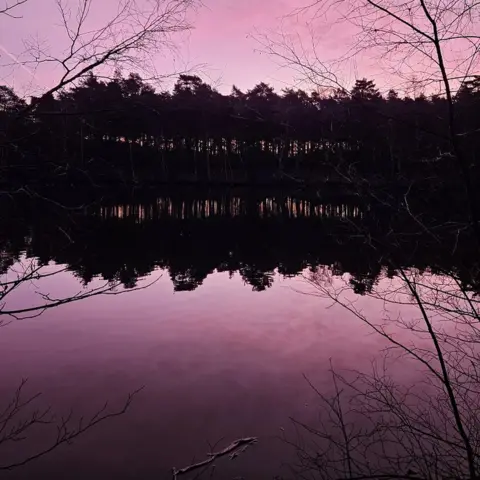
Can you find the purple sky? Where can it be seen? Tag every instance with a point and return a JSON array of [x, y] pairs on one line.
[[220, 47], [222, 39]]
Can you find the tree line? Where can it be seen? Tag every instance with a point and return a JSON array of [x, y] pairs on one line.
[[250, 234], [121, 129]]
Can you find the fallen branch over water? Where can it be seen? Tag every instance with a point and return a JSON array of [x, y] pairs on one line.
[[234, 450]]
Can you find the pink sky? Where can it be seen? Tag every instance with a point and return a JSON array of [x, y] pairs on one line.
[[221, 42], [221, 47], [222, 39]]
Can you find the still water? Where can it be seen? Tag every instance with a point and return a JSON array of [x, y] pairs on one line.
[[221, 331]]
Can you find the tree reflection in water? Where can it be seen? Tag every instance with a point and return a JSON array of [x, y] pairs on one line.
[[22, 420], [110, 246]]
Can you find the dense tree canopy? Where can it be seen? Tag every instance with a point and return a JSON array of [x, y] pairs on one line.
[[196, 131]]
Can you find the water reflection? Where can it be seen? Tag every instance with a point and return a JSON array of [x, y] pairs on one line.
[[221, 361], [288, 207], [193, 236]]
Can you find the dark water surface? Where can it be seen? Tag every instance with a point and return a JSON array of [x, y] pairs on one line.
[[220, 341]]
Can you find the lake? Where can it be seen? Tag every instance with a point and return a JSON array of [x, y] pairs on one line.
[[217, 322]]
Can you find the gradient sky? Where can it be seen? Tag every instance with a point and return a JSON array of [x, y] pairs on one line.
[[220, 47], [222, 39]]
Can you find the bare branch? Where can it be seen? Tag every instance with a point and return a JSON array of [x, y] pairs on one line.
[[233, 450], [13, 430], [9, 7]]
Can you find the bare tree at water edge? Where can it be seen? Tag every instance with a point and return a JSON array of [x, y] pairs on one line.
[[434, 42], [375, 426], [378, 424], [30, 430]]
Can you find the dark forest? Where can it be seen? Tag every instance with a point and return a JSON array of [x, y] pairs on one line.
[[121, 131]]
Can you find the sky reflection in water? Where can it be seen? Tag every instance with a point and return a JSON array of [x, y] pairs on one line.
[[222, 361]]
